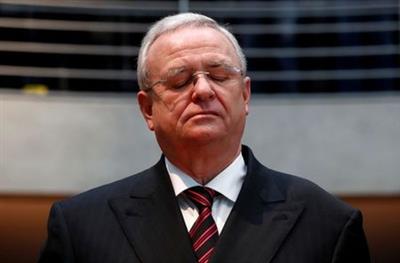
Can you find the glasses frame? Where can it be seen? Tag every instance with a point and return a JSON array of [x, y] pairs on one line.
[[195, 74]]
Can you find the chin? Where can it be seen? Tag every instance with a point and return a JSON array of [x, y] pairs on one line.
[[205, 136]]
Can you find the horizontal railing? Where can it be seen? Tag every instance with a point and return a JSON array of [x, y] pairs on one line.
[[284, 41]]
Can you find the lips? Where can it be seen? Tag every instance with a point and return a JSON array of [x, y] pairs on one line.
[[202, 113]]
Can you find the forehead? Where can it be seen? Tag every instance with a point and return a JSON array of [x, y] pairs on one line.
[[190, 45]]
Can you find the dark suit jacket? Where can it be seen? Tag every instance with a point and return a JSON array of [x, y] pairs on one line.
[[277, 218]]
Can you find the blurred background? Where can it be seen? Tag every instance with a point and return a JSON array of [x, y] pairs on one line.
[[325, 105]]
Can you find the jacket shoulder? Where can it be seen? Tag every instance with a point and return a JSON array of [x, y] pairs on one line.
[[299, 188], [123, 187]]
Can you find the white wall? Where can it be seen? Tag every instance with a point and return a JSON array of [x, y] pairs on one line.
[[67, 143]]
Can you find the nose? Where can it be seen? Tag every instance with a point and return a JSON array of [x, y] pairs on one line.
[[202, 89]]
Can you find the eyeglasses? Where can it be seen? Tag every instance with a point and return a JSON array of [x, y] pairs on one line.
[[179, 78]]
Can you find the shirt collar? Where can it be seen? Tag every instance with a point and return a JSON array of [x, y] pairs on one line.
[[228, 182]]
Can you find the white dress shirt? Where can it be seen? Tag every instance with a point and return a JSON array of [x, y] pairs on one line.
[[228, 183]]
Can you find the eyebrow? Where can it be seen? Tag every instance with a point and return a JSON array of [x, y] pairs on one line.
[[214, 63], [176, 70], [217, 63]]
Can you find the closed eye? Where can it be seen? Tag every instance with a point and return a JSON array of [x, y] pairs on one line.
[[181, 84], [179, 80], [219, 77]]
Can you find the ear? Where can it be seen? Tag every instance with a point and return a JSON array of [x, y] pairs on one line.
[[145, 102], [247, 92]]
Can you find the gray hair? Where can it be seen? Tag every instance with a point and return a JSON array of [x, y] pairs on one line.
[[174, 22]]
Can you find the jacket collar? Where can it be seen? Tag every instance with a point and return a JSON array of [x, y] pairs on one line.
[[151, 219]]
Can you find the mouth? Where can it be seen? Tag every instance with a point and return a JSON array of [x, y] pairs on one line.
[[203, 114]]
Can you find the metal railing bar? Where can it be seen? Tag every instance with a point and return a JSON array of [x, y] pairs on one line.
[[291, 6], [131, 13], [226, 5], [64, 25], [239, 10], [297, 14], [377, 50], [313, 75], [44, 72], [104, 5], [316, 28], [37, 47]]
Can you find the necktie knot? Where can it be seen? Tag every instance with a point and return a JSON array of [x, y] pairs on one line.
[[201, 196]]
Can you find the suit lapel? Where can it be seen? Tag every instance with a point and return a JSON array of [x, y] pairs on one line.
[[151, 219], [260, 220]]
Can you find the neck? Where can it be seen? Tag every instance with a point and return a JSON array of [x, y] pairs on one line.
[[203, 163]]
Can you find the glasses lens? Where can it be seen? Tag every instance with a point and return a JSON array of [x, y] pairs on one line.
[[178, 79], [220, 73]]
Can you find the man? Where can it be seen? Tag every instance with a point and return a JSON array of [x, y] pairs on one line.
[[208, 199]]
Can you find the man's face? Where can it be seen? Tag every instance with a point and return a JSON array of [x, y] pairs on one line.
[[198, 94]]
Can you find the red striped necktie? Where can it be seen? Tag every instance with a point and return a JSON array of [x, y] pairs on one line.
[[204, 232]]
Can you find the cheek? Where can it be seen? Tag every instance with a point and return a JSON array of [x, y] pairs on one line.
[[236, 108], [223, 100], [175, 104], [230, 102], [182, 107], [166, 118]]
